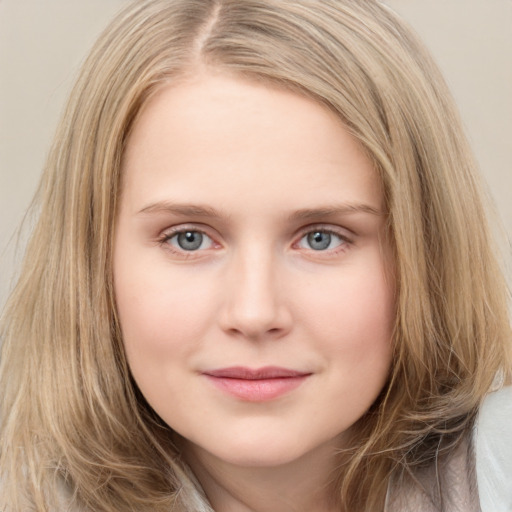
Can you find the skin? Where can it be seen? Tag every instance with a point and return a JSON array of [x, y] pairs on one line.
[[267, 167]]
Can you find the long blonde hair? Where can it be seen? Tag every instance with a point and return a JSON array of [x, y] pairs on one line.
[[70, 412]]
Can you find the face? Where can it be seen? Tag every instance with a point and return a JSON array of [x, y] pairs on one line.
[[251, 270]]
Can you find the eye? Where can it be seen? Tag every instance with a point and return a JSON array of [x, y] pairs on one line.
[[189, 240], [321, 240]]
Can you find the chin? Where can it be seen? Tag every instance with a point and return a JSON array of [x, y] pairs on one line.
[[262, 458], [273, 451]]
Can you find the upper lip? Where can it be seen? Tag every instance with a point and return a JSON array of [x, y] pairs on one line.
[[267, 372]]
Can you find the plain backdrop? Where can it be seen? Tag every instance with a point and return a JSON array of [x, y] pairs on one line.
[[43, 42]]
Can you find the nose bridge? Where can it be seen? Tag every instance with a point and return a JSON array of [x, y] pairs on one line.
[[254, 304]]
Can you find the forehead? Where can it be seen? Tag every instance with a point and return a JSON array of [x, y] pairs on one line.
[[222, 135]]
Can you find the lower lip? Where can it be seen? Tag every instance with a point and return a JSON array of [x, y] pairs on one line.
[[257, 390]]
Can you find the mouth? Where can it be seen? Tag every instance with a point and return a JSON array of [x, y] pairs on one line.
[[256, 385]]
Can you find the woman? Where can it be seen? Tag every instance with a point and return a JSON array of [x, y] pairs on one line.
[[272, 286]]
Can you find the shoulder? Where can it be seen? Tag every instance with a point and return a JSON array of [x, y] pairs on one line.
[[493, 451]]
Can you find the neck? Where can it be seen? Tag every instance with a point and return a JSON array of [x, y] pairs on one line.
[[302, 485]]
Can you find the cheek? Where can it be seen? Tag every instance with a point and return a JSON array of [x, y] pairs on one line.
[[352, 319], [357, 308], [161, 311]]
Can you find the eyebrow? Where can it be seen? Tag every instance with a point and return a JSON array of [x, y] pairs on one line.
[[198, 210], [331, 211], [192, 210]]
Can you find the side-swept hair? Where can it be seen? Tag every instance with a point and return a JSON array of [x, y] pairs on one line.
[[71, 413]]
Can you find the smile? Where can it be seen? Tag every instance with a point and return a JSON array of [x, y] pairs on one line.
[[258, 385]]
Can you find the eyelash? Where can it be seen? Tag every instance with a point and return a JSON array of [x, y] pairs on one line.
[[175, 232], [344, 241]]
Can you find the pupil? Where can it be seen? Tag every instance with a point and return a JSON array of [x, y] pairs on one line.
[[319, 241], [190, 240]]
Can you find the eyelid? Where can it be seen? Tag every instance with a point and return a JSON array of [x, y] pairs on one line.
[[344, 233], [172, 231], [325, 228]]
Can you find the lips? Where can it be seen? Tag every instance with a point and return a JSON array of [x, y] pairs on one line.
[[256, 385]]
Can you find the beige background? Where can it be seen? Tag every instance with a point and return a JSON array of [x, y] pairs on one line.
[[42, 43]]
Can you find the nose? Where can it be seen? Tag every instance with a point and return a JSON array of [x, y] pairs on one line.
[[255, 305]]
